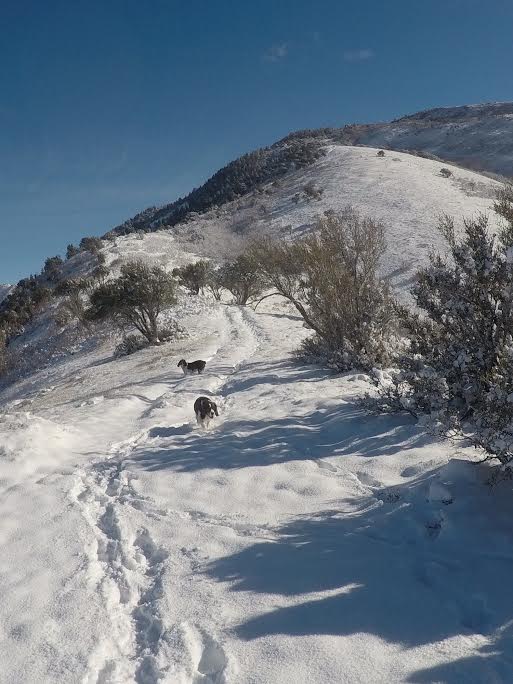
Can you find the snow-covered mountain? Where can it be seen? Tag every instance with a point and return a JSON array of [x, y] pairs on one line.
[[476, 136], [479, 137], [299, 540], [406, 192]]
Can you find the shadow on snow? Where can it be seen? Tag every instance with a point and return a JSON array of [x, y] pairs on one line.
[[408, 572], [338, 431]]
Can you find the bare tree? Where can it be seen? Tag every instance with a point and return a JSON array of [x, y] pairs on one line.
[[331, 278]]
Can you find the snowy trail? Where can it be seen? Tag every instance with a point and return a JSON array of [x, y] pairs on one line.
[[298, 540], [125, 561]]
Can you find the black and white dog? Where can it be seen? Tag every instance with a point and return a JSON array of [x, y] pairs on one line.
[[193, 367], [205, 409]]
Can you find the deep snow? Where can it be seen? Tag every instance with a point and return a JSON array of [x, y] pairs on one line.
[[298, 540]]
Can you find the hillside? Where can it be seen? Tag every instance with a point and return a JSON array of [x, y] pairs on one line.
[[300, 539], [477, 137], [404, 191]]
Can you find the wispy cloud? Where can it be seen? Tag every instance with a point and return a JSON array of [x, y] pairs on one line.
[[358, 55], [276, 52]]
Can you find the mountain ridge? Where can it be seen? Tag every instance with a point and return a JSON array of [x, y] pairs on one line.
[[478, 137]]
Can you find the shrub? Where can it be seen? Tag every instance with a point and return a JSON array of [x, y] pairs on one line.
[[21, 305], [129, 345], [312, 191], [71, 251], [214, 283], [52, 269], [242, 278], [446, 173], [91, 244], [331, 278], [194, 277], [172, 331], [3, 352], [136, 298], [72, 308], [459, 364], [381, 153], [100, 274]]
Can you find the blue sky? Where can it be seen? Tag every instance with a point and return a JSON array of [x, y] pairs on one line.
[[107, 107]]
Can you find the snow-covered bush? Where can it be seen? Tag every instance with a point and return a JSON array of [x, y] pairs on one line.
[[134, 343], [445, 172], [172, 331], [331, 277], [241, 278], [194, 277], [459, 364], [214, 283], [381, 153], [136, 298], [72, 309], [129, 345], [312, 191]]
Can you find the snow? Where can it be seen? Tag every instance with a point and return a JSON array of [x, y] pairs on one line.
[[298, 539], [406, 192], [470, 138]]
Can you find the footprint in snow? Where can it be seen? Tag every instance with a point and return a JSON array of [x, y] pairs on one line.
[[367, 479]]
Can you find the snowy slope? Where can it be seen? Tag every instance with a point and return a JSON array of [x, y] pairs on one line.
[[298, 540], [478, 136], [404, 191]]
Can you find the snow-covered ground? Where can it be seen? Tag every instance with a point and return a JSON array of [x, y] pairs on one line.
[[406, 192], [478, 136], [297, 541]]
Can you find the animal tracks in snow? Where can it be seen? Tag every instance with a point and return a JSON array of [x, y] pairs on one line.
[[127, 566]]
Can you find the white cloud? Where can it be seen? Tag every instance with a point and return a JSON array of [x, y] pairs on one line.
[[276, 52], [358, 55]]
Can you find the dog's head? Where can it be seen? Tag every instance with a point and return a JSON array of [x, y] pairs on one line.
[[212, 409], [182, 363], [208, 408]]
